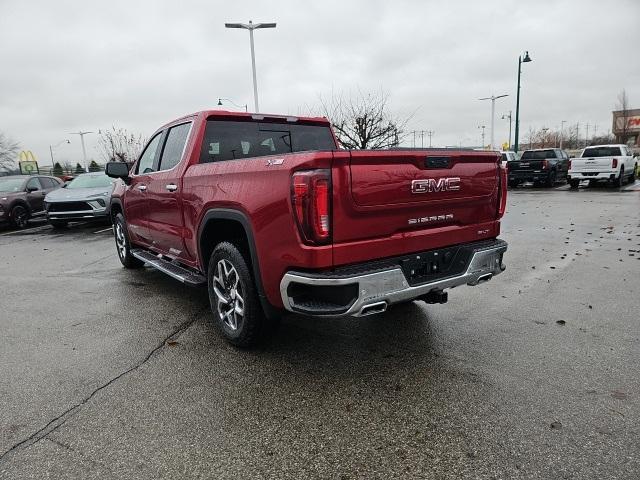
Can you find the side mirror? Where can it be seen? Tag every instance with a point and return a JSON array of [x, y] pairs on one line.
[[117, 170]]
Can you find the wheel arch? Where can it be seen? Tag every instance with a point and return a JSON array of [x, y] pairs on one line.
[[223, 224]]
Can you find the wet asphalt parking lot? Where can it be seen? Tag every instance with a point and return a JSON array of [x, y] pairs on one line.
[[109, 373]]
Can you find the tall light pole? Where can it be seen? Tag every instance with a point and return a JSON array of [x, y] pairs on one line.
[[233, 103], [493, 113], [251, 27], [509, 117], [562, 131], [521, 60], [84, 150], [482, 127], [51, 147]]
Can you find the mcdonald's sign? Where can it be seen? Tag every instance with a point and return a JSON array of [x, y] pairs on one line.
[[27, 162]]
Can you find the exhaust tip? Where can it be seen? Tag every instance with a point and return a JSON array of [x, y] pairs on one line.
[[373, 308]]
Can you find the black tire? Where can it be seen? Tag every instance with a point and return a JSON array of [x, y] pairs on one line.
[[632, 177], [551, 179], [19, 216], [58, 224], [123, 245], [619, 182], [574, 183], [233, 295]]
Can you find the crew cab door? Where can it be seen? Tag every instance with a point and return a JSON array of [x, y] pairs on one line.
[[135, 199], [164, 194]]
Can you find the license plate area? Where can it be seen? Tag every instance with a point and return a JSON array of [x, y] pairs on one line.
[[432, 265]]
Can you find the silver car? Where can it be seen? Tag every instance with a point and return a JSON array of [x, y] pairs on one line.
[[86, 197]]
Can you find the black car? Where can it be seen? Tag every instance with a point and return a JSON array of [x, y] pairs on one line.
[[544, 166], [22, 197]]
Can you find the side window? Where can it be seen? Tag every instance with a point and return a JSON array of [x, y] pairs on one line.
[[145, 165], [174, 146], [48, 182], [34, 184]]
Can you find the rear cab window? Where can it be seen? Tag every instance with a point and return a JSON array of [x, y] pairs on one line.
[[233, 140], [538, 154], [601, 152]]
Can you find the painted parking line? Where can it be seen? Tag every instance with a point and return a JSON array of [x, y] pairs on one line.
[[25, 230], [109, 229]]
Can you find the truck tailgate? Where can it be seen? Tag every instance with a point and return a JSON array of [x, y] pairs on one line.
[[412, 201], [587, 164]]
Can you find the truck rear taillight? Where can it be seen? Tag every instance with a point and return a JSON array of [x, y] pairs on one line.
[[311, 200], [614, 163], [502, 192], [569, 166]]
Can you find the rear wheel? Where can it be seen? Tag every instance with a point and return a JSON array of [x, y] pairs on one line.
[[19, 216], [234, 298], [123, 246], [551, 179], [619, 182], [574, 183]]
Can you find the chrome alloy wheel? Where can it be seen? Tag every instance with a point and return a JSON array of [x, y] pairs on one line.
[[228, 290], [121, 242]]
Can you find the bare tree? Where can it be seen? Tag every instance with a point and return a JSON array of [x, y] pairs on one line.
[[623, 107], [363, 120], [119, 145], [8, 153]]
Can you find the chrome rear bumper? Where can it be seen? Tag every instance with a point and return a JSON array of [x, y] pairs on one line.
[[378, 289]]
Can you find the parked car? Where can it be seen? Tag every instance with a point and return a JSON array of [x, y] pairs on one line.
[[541, 166], [506, 157], [603, 163], [86, 197], [22, 197], [269, 214]]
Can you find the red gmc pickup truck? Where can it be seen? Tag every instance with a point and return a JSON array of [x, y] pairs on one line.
[[272, 215]]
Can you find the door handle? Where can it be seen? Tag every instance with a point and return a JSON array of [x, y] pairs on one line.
[[142, 188], [172, 187]]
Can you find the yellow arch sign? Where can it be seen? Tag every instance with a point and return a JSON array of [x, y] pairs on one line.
[[28, 163]]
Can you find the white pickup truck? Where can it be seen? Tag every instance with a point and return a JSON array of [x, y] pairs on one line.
[[610, 163]]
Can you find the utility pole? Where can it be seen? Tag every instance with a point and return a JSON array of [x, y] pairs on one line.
[[562, 131], [414, 139], [430, 133], [577, 134], [84, 150], [586, 136], [482, 127], [251, 27], [421, 138]]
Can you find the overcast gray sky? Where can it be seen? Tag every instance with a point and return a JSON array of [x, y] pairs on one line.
[[70, 65]]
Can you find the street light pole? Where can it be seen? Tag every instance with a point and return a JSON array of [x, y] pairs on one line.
[[493, 113], [84, 150], [51, 147], [251, 27], [521, 60], [233, 103], [509, 117], [562, 131]]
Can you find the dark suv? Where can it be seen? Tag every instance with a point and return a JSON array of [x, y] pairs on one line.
[[22, 197], [541, 166]]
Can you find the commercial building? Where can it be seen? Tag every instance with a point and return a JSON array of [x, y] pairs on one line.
[[626, 126]]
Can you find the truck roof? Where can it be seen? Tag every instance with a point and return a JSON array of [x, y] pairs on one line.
[[255, 116], [607, 145]]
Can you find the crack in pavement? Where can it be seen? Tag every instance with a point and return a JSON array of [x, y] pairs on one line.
[[60, 420]]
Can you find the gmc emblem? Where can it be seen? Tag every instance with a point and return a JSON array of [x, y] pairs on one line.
[[428, 185]]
